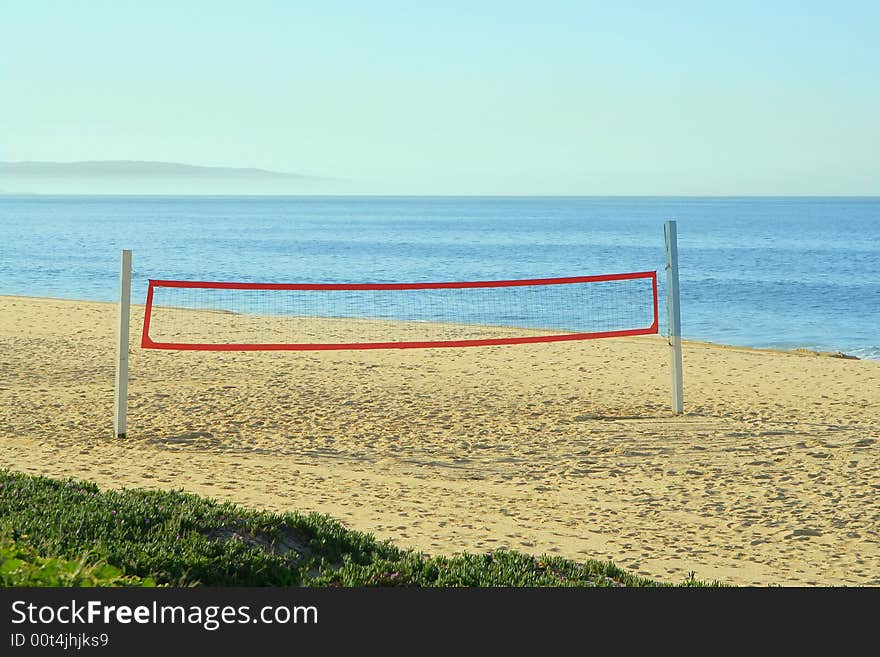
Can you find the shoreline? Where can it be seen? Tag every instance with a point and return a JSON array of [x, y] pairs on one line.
[[569, 449], [801, 351]]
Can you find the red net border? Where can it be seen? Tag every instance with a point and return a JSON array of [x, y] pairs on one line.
[[148, 343]]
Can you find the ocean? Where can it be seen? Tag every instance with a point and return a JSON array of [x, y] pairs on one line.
[[766, 272]]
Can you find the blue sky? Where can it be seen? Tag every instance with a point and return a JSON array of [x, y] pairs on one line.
[[548, 97]]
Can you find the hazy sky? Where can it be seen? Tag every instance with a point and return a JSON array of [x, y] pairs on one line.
[[549, 97]]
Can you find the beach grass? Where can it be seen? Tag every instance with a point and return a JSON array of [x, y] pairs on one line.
[[21, 565], [71, 533]]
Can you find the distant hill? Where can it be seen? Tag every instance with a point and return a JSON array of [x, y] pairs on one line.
[[144, 177]]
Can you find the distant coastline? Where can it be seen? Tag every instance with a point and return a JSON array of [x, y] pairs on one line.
[[139, 177]]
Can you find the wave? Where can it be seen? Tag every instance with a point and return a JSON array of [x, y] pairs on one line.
[[866, 353]]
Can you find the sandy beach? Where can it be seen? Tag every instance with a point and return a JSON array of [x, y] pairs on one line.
[[771, 477]]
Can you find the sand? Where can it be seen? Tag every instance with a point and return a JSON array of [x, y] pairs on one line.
[[771, 477]]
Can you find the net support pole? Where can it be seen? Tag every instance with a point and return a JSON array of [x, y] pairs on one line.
[[120, 404], [674, 318]]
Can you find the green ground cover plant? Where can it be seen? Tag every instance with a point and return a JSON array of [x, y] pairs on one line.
[[71, 533]]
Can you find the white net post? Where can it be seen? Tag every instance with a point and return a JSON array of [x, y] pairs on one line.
[[674, 317], [120, 403]]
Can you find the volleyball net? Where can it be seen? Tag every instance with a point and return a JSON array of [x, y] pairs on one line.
[[226, 316]]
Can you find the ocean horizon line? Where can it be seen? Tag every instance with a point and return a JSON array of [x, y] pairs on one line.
[[443, 196]]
